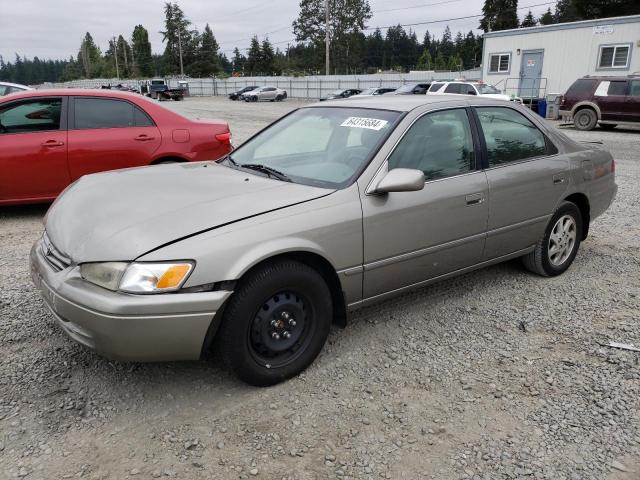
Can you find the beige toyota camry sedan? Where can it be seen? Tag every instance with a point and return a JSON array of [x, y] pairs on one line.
[[332, 207]]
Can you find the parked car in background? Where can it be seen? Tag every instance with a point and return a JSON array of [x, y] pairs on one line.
[[333, 207], [345, 93], [465, 87], [604, 101], [237, 94], [7, 88], [411, 89], [262, 94], [50, 138], [159, 90], [370, 92]]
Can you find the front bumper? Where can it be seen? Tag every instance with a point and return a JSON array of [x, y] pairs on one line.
[[565, 115], [170, 326]]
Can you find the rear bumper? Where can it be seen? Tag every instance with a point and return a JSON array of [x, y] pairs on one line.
[[123, 326]]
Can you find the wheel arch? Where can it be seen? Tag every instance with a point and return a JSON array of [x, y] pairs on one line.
[[582, 202], [168, 158], [586, 104]]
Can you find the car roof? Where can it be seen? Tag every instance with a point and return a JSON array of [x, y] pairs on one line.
[[404, 103], [611, 77], [92, 92], [19, 85]]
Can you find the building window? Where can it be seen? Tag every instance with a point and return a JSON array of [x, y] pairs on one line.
[[499, 63], [614, 56]]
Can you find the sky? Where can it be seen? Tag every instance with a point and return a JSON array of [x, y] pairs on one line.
[[53, 29]]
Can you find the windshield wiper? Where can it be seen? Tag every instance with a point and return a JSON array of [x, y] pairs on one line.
[[272, 172], [229, 159]]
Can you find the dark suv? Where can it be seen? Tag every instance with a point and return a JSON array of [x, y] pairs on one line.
[[607, 101]]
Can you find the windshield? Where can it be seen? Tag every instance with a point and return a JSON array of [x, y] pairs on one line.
[[484, 89], [406, 88], [320, 146], [336, 92], [368, 91]]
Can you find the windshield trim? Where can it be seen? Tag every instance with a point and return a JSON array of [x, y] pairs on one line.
[[365, 164]]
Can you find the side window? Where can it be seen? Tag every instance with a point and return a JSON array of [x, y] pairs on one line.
[[453, 88], [141, 119], [469, 90], [509, 135], [102, 113], [440, 144], [634, 91], [435, 87], [38, 115], [617, 88], [4, 90]]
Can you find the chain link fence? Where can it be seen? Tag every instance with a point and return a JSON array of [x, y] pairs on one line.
[[309, 87]]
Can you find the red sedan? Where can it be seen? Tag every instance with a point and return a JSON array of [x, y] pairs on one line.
[[50, 138]]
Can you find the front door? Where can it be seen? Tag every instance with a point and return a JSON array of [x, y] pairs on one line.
[[33, 149], [410, 237], [530, 74], [108, 134]]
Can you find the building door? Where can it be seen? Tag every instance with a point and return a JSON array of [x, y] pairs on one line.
[[530, 73]]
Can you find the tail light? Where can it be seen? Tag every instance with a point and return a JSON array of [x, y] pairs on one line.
[[224, 138]]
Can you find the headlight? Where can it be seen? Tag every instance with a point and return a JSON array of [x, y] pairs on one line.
[[137, 277]]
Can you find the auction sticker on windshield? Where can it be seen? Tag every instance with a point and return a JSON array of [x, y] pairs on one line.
[[362, 122]]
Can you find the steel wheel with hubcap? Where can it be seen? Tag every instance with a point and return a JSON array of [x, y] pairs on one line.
[[585, 119], [276, 322], [555, 251]]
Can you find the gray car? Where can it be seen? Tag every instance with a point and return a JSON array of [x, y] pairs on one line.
[[261, 94], [333, 207]]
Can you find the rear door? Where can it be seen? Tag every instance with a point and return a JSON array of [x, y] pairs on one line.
[[109, 133], [611, 97], [33, 148], [527, 179], [632, 103]]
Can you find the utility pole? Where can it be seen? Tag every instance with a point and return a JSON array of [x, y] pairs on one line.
[[115, 54], [180, 52], [326, 36]]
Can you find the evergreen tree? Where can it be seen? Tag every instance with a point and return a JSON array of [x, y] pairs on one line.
[[252, 65], [238, 61], [528, 20], [547, 18], [267, 56], [440, 63], [141, 52], [178, 36], [455, 63], [425, 62], [89, 57], [499, 15], [589, 9], [375, 48], [207, 59]]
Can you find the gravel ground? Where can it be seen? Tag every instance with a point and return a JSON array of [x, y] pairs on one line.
[[497, 374]]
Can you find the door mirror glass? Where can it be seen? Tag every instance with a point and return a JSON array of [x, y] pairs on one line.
[[401, 180]]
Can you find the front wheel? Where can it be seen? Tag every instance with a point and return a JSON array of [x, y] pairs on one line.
[[556, 250], [276, 322]]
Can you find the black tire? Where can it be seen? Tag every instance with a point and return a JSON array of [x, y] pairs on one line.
[[276, 322], [279, 98], [542, 260], [608, 126], [585, 119]]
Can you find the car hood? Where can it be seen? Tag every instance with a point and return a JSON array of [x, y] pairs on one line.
[[123, 214]]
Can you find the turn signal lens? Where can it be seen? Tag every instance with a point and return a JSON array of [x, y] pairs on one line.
[[174, 276]]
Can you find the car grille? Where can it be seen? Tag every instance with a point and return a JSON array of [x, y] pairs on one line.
[[54, 257]]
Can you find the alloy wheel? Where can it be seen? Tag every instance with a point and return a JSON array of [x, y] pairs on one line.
[[562, 240]]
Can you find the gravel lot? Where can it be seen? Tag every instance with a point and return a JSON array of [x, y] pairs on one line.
[[497, 374]]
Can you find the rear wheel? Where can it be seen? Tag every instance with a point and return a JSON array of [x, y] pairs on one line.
[[585, 119], [556, 250], [276, 323]]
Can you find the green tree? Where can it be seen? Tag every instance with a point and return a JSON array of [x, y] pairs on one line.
[[589, 9], [346, 17], [267, 56], [528, 20], [89, 57], [178, 37], [207, 59], [238, 61], [141, 52], [425, 62], [455, 63], [440, 63], [547, 18], [252, 64], [499, 15]]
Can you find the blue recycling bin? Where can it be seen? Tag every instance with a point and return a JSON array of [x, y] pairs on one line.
[[542, 108]]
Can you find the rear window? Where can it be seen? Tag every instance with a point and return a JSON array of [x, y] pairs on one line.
[[582, 88], [435, 87]]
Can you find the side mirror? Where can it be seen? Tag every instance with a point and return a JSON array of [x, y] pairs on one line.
[[401, 180]]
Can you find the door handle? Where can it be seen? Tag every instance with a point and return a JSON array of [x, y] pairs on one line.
[[558, 179], [52, 143], [143, 138], [474, 199]]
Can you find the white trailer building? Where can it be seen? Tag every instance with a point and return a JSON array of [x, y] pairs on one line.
[[532, 62]]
